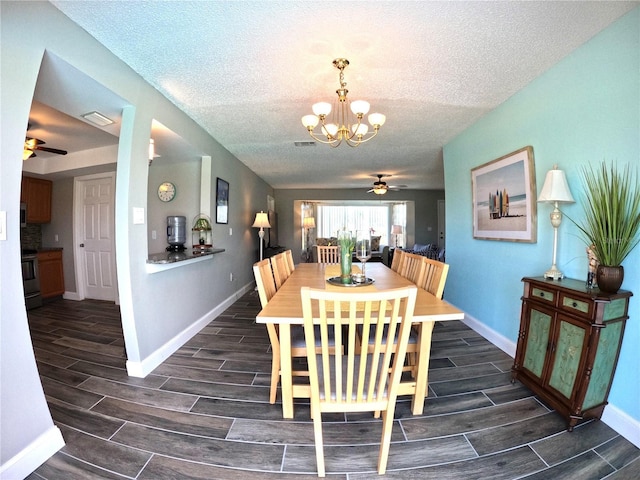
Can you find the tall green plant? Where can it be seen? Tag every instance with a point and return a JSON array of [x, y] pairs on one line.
[[612, 212]]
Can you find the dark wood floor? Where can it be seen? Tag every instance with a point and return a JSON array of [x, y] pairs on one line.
[[204, 413]]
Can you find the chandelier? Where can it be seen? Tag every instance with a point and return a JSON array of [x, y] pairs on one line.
[[342, 126]]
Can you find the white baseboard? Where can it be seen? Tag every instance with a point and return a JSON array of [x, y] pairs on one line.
[[34, 455], [503, 343], [143, 368], [622, 423], [72, 296]]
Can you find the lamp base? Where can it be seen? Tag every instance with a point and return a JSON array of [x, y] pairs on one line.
[[554, 273]]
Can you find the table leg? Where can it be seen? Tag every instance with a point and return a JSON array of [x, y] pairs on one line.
[[286, 380], [422, 375]]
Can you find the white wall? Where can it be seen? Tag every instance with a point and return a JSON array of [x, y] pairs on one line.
[[159, 310]]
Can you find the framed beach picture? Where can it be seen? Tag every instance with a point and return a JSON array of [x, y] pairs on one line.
[[222, 201], [504, 203]]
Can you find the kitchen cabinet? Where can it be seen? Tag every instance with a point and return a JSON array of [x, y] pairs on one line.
[[568, 345], [51, 273], [36, 193]]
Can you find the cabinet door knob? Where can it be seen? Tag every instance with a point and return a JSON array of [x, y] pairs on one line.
[[574, 305], [82, 245]]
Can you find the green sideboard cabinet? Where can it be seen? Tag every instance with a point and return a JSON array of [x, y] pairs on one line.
[[568, 344]]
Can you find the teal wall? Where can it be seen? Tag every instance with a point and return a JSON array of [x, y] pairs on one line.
[[583, 110]]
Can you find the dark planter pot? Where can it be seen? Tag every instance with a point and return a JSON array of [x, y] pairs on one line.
[[609, 278]]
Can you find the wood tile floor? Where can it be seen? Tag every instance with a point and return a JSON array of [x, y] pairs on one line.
[[204, 413]]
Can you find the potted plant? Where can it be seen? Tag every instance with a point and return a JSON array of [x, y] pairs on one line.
[[611, 225]]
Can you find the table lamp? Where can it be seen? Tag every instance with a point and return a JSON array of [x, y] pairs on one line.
[[261, 222], [396, 230], [555, 190]]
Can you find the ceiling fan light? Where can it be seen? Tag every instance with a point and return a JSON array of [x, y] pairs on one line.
[[27, 154], [360, 107], [377, 119], [380, 189], [321, 108], [310, 121]]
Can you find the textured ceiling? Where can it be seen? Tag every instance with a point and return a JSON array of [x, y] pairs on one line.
[[248, 71]]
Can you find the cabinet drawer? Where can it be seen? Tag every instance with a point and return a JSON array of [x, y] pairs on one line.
[[577, 305], [545, 295], [49, 255]]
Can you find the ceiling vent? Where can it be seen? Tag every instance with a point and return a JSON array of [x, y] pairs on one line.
[[97, 119], [305, 144]]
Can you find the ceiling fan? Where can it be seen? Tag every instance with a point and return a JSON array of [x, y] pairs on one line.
[[380, 187], [31, 144]]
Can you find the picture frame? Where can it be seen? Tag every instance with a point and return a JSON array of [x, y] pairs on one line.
[[504, 198], [222, 201]]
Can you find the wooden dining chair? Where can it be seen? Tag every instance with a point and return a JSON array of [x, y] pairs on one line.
[[328, 253], [412, 267], [289, 255], [280, 267], [434, 276], [359, 379], [397, 260], [266, 284]]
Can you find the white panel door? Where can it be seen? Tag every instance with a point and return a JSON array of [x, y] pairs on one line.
[[96, 237]]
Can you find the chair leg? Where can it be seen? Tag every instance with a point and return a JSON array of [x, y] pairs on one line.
[[385, 441], [317, 431]]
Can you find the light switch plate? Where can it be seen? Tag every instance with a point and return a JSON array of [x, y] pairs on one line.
[[138, 216]]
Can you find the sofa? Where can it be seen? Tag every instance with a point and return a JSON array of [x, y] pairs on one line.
[[430, 250]]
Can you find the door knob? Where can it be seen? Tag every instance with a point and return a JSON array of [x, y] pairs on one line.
[[82, 245]]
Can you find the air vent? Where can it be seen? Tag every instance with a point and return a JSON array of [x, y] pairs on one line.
[[305, 144]]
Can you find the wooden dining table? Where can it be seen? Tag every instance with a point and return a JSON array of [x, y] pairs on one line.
[[285, 309]]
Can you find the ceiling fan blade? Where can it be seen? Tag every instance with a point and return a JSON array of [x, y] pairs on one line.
[[50, 150]]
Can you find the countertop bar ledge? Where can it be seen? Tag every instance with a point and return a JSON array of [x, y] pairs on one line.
[[159, 262]]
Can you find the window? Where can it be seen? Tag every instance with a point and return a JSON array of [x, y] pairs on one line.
[[331, 218]]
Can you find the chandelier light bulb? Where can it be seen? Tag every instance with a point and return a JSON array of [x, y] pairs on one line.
[[330, 130], [376, 119], [344, 125], [321, 108], [360, 130], [310, 121], [360, 107]]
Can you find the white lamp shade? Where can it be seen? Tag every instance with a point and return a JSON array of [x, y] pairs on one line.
[[310, 121], [360, 107], [309, 222], [360, 130], [330, 130], [261, 221], [396, 229], [321, 108], [376, 119], [555, 188]]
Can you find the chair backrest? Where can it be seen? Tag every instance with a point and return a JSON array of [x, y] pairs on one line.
[[290, 264], [280, 268], [434, 276], [412, 267], [363, 377], [264, 280], [328, 254], [397, 260]]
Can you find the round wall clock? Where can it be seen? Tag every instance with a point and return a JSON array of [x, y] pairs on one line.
[[166, 191]]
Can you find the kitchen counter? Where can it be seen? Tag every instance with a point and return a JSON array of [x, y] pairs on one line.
[[158, 262]]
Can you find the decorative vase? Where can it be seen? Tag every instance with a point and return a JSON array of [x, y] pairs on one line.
[[609, 279], [346, 243]]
